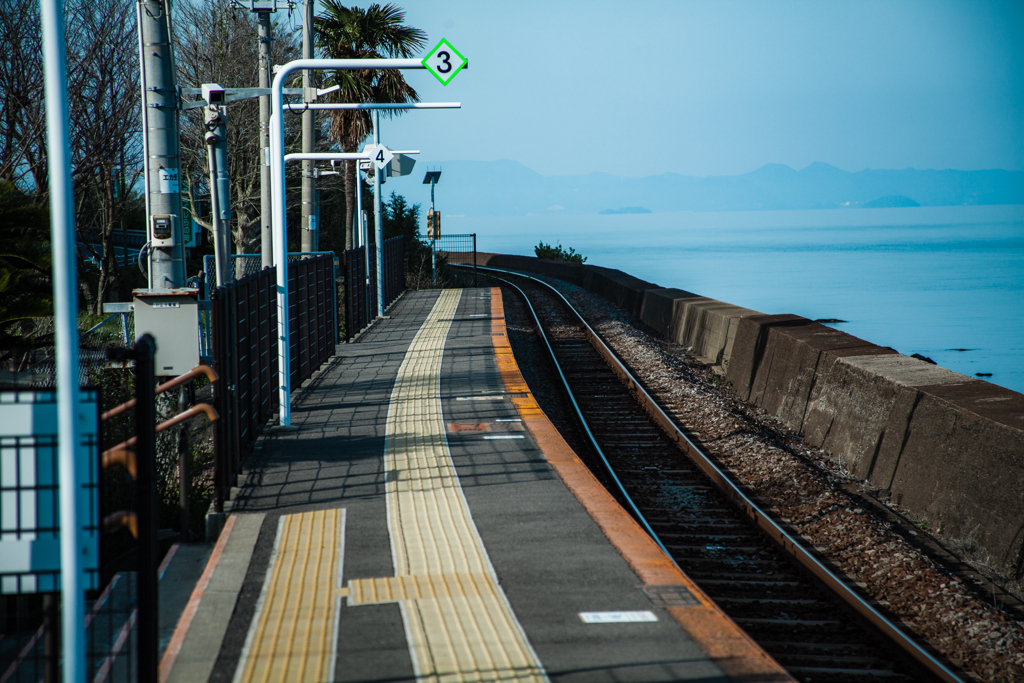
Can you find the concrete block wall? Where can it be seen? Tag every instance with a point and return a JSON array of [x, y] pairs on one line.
[[948, 448]]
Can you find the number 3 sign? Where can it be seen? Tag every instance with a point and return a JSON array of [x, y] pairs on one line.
[[444, 61]]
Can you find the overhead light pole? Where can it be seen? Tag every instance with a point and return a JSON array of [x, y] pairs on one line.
[[433, 223], [277, 173]]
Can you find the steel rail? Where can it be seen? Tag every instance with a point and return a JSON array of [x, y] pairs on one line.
[[590, 435], [788, 542]]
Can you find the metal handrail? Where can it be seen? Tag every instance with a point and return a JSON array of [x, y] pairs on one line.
[[210, 373], [194, 411]]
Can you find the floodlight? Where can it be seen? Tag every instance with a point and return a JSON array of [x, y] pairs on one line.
[[432, 177]]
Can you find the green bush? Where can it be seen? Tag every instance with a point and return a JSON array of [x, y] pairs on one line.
[[557, 253]]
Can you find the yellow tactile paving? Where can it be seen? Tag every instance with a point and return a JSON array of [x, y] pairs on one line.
[[293, 634], [459, 622]]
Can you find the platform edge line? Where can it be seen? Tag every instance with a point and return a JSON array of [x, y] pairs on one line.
[[185, 621]]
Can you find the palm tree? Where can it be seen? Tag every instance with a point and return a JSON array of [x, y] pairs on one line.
[[354, 33]]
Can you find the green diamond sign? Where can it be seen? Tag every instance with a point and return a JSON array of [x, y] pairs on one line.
[[444, 61]]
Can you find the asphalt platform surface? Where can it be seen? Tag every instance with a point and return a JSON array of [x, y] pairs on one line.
[[550, 559]]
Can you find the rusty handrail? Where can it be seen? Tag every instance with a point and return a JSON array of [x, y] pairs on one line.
[[194, 411], [210, 373], [116, 520], [121, 456]]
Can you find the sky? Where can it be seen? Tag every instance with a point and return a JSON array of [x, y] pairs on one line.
[[699, 88]]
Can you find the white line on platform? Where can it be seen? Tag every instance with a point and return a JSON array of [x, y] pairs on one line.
[[505, 437], [480, 398], [616, 617]]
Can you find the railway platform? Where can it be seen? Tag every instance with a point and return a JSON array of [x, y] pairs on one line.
[[423, 521]]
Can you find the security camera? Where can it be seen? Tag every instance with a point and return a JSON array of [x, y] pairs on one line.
[[213, 93]]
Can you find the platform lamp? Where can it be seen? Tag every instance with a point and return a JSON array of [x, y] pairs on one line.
[[433, 222]]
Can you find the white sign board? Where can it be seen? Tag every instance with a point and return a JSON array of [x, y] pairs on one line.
[[29, 509], [168, 180]]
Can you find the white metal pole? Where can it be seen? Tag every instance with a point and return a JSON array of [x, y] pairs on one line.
[[65, 299], [378, 225], [359, 207], [299, 106], [278, 199]]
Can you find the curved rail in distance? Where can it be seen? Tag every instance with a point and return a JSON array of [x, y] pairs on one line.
[[786, 541]]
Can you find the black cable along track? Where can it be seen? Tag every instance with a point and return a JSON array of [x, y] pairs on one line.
[[807, 618]]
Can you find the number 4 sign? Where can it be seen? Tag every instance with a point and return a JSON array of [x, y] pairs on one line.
[[444, 61], [380, 155]]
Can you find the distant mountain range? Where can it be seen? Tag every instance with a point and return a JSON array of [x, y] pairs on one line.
[[507, 188]]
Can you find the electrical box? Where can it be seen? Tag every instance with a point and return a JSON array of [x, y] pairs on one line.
[[172, 317], [163, 230]]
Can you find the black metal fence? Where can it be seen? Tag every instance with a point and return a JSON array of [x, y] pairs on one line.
[[394, 269], [312, 315], [358, 309], [245, 352], [361, 283]]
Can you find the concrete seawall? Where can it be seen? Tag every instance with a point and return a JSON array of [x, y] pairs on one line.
[[947, 447]]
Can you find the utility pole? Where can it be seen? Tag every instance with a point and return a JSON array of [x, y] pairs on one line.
[[266, 230], [310, 229], [215, 117], [160, 118]]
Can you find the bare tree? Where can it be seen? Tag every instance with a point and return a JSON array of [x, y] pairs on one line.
[[22, 117], [103, 99], [217, 43], [103, 77]]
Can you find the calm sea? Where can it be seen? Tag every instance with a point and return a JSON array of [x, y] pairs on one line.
[[945, 282]]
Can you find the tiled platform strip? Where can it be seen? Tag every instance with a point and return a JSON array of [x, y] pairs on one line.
[[459, 622]]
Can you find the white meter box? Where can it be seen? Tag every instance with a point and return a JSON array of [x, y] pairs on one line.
[[172, 317], [29, 490]]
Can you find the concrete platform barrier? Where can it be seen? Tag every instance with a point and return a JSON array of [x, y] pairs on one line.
[[948, 448], [708, 328], [659, 306]]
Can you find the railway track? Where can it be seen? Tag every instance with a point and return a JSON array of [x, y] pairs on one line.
[[811, 621]]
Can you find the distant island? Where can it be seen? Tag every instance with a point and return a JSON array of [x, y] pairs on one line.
[[895, 201], [627, 209]]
